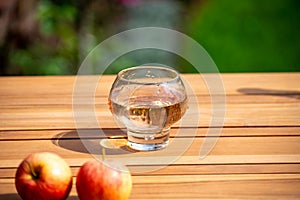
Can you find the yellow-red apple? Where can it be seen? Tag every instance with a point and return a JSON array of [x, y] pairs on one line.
[[105, 180], [43, 176]]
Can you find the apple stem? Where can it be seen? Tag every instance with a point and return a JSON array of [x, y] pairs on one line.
[[103, 154], [35, 175]]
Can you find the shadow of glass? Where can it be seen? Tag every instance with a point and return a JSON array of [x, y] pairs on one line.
[[114, 142], [281, 93]]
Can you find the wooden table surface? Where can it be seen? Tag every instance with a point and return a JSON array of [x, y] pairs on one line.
[[257, 155]]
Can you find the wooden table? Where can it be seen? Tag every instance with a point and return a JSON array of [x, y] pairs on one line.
[[257, 155]]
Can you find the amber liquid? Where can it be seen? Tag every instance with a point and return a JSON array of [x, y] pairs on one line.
[[149, 114]]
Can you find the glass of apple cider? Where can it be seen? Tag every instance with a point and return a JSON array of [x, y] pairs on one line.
[[148, 100]]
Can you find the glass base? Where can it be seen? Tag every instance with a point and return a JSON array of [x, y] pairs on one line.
[[148, 141], [147, 147]]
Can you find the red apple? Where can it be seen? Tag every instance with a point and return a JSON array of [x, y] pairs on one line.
[[103, 180], [43, 176]]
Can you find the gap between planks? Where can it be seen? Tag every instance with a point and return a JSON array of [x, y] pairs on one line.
[[48, 134]]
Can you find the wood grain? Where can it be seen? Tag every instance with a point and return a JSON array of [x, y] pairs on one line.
[[255, 83], [232, 150], [256, 155], [61, 116], [199, 186]]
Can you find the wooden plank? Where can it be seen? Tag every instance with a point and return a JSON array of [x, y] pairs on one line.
[[61, 116], [225, 146], [110, 133], [193, 169], [143, 165], [243, 186], [228, 150], [283, 186], [255, 83], [67, 100]]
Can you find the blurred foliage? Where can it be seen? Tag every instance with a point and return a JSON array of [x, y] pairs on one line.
[[53, 51], [249, 35], [240, 36]]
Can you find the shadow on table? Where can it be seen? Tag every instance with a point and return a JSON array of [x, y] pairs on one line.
[[91, 141], [72, 198], [259, 91], [15, 196], [10, 196]]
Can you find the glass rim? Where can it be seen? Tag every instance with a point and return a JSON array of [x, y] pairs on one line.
[[171, 79]]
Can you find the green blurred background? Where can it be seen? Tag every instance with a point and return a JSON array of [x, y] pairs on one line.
[[52, 37]]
